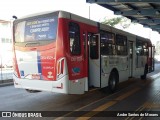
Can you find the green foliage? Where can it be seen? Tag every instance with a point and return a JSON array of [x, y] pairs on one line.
[[112, 22], [123, 21]]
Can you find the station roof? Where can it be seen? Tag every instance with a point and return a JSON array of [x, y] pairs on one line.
[[145, 12]]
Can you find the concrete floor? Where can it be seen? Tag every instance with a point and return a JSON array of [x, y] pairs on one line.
[[141, 97]]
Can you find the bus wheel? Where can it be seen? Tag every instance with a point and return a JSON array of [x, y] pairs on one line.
[[113, 80], [32, 91], [145, 72]]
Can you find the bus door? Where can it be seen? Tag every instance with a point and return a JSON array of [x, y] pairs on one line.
[[85, 56], [151, 50], [130, 58], [94, 60]]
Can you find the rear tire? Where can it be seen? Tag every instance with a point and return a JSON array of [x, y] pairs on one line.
[[113, 81], [143, 77]]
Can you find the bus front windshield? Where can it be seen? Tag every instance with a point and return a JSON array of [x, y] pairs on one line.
[[36, 29]]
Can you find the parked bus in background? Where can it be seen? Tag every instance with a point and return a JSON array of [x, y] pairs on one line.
[[65, 53]]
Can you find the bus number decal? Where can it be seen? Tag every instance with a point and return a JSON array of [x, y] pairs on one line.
[[77, 59]]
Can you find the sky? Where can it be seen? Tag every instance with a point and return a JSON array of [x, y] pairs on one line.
[[21, 8], [24, 7]]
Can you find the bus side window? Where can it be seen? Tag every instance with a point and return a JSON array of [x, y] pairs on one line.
[[121, 44], [74, 38], [139, 47], [141, 50], [145, 48], [107, 43]]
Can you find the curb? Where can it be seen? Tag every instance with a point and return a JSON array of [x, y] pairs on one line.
[[6, 82]]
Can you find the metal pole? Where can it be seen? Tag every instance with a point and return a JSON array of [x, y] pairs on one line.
[[89, 11]]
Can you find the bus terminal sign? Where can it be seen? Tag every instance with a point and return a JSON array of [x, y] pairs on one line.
[[41, 29]]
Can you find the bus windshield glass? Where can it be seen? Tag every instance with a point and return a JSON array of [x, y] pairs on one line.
[[36, 29]]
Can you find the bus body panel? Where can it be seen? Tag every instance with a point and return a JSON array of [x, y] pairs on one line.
[[42, 63], [60, 86], [53, 67], [109, 63], [78, 61]]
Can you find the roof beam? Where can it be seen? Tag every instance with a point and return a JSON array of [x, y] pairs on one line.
[[153, 6], [122, 1], [156, 30], [144, 12], [155, 27], [156, 21], [109, 7], [130, 6]]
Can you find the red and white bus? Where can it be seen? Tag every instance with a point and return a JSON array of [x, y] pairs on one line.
[[65, 53]]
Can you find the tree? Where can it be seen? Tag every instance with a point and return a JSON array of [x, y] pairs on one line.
[[113, 21], [123, 21]]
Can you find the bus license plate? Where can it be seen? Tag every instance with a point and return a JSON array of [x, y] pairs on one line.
[[36, 76]]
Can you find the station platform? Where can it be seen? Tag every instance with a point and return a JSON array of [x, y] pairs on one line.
[[134, 99]]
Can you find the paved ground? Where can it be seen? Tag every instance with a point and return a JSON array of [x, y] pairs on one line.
[[135, 95]]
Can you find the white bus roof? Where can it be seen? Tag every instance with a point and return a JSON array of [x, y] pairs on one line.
[[64, 14]]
